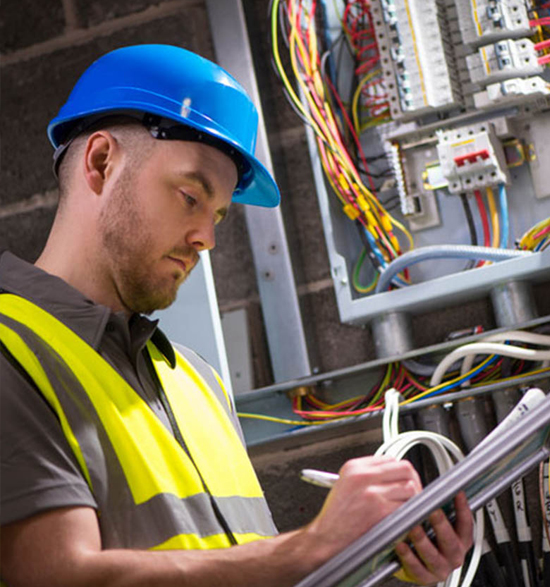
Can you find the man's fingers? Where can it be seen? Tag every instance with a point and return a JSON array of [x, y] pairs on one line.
[[436, 560], [414, 570], [464, 524], [432, 561], [454, 542]]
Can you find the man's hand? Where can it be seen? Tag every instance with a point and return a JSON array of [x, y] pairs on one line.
[[435, 562], [371, 488]]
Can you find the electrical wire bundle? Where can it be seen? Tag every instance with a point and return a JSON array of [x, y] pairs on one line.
[[370, 94], [501, 362], [540, 21], [396, 376], [497, 236], [323, 110], [536, 238]]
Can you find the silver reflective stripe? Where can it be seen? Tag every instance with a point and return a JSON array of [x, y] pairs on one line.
[[194, 515], [237, 510], [123, 523]]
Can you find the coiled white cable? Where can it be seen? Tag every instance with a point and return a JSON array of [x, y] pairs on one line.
[[443, 451]]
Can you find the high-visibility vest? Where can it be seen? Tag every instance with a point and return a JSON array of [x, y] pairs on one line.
[[152, 492]]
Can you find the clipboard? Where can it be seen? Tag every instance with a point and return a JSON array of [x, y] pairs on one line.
[[483, 474]]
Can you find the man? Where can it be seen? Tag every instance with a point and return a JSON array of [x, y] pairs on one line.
[[121, 460]]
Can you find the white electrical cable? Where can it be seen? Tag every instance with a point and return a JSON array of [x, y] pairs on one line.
[[488, 348], [515, 335], [445, 453]]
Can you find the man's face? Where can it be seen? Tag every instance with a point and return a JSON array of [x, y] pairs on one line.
[[158, 217]]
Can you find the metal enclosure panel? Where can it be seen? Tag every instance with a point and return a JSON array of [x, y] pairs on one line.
[[237, 344], [429, 295], [286, 338], [193, 320]]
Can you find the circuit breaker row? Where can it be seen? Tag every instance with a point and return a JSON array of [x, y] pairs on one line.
[[440, 54]]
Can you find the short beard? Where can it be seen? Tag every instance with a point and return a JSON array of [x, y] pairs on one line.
[[127, 239]]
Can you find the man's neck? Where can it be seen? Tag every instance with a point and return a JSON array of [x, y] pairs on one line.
[[80, 269]]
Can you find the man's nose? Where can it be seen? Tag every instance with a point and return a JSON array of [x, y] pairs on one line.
[[202, 237]]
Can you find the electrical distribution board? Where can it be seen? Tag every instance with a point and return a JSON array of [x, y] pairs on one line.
[[450, 102]]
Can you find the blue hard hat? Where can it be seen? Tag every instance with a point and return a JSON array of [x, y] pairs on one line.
[[167, 87]]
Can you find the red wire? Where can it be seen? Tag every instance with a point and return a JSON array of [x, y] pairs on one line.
[[542, 232], [539, 22], [521, 363], [352, 130], [543, 60], [484, 219], [542, 45]]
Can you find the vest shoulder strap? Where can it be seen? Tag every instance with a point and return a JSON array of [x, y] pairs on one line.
[[214, 381]]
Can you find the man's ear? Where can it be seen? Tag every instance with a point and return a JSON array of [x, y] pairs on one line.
[[99, 157]]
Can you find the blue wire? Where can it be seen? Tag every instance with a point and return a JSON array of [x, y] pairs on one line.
[[505, 216], [396, 280], [476, 371], [541, 244], [374, 247]]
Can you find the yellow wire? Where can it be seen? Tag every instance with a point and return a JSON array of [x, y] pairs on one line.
[[494, 217], [357, 94], [280, 420], [282, 73], [514, 377], [527, 240]]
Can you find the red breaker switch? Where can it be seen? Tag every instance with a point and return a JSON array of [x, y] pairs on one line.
[[471, 157], [460, 160]]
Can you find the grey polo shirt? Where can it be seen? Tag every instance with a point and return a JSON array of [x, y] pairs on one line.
[[38, 468]]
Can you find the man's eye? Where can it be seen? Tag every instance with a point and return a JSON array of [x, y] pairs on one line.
[[189, 199]]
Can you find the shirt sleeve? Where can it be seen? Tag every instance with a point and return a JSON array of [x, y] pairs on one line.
[[38, 469]]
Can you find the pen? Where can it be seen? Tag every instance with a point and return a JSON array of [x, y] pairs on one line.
[[319, 478]]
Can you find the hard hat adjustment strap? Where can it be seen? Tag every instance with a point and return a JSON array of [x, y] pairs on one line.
[[167, 129], [159, 128]]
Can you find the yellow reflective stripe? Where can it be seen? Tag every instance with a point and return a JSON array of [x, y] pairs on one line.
[[17, 347], [192, 542], [210, 458], [151, 458]]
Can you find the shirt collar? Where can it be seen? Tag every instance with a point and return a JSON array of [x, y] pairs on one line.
[[83, 316]]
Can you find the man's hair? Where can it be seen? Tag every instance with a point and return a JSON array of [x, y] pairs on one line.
[[130, 134]]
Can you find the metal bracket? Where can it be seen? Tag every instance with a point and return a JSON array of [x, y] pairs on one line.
[[281, 311]]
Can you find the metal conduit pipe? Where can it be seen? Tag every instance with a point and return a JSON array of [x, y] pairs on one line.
[[513, 303]]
